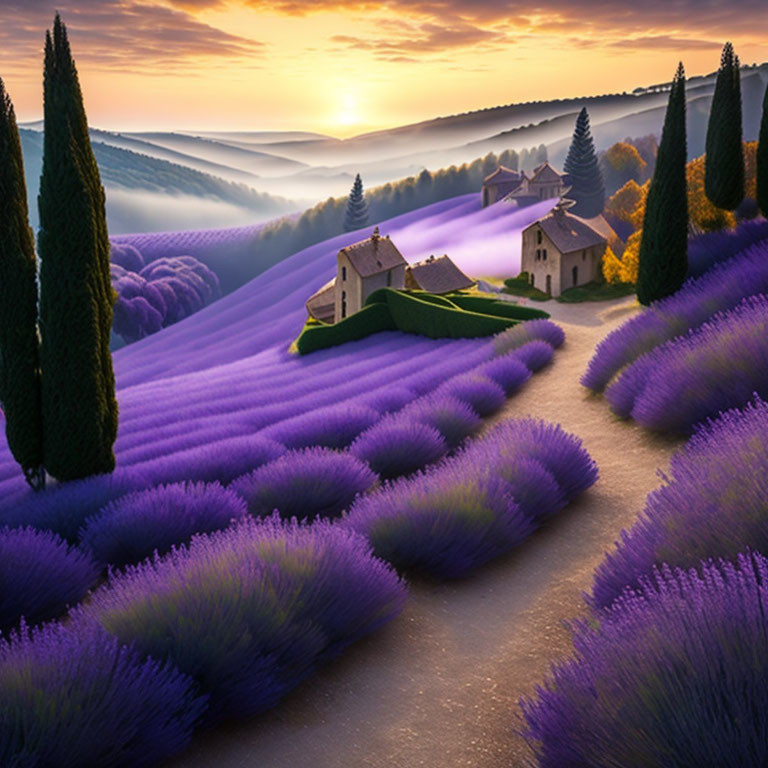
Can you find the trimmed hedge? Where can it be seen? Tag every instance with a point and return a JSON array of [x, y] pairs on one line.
[[497, 308], [414, 315], [372, 318]]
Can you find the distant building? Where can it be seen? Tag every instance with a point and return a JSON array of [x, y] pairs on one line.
[[502, 182], [436, 275], [561, 251], [515, 186], [361, 269]]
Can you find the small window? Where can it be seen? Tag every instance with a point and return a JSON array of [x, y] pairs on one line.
[[583, 255], [389, 278], [538, 254], [343, 304], [343, 274], [538, 236], [544, 254]]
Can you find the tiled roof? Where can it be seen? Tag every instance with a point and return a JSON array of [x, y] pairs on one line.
[[503, 175], [568, 232], [374, 255], [439, 275]]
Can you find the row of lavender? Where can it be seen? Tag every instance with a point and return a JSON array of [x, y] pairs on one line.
[[226, 625], [695, 354], [670, 666]]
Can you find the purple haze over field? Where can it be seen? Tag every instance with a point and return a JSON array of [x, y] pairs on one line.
[[225, 372]]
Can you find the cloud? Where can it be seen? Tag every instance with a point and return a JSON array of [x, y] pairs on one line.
[[121, 34]]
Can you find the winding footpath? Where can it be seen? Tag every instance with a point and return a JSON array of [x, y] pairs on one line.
[[439, 686]]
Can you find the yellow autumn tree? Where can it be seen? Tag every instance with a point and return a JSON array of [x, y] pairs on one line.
[[611, 266]]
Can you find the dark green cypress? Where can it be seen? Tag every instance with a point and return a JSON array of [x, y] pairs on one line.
[[356, 216], [586, 180], [762, 160], [76, 296], [663, 259], [19, 342], [724, 179]]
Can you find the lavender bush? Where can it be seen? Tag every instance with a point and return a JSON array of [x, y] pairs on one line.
[[74, 697], [714, 505], [314, 482], [722, 288], [484, 396], [673, 676], [717, 366], [394, 448], [712, 248], [126, 256], [333, 427], [453, 419], [477, 504], [508, 371], [532, 330], [40, 575], [535, 354], [141, 523], [250, 612]]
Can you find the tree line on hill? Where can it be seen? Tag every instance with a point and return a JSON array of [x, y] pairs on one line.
[[57, 386]]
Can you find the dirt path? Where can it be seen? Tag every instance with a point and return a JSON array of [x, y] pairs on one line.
[[439, 686]]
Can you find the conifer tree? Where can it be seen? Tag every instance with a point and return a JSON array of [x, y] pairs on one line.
[[76, 296], [663, 258], [724, 174], [19, 344], [587, 187], [762, 160], [356, 216]]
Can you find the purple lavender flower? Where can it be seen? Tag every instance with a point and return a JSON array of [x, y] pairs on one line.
[[508, 371], [531, 330], [484, 396], [136, 525], [335, 426], [673, 675], [315, 482], [249, 612], [40, 576], [75, 696]]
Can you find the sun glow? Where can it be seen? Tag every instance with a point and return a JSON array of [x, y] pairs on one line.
[[349, 112]]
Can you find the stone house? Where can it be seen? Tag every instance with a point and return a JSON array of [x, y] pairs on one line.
[[502, 182], [436, 275], [361, 269], [561, 251]]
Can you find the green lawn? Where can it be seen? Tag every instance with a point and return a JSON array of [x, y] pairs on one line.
[[520, 286], [596, 292]]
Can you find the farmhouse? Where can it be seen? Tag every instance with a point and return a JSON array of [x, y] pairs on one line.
[[562, 251], [436, 275], [376, 263], [517, 187]]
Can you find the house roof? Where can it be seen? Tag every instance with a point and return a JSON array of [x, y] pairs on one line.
[[372, 256], [600, 224], [320, 305], [546, 173], [568, 232], [503, 175], [439, 275]]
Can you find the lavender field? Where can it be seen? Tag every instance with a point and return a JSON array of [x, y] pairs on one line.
[[225, 373]]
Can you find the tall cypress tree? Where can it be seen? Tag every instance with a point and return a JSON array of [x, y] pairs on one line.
[[19, 344], [76, 296], [762, 160], [587, 187], [724, 169], [663, 258], [356, 216]]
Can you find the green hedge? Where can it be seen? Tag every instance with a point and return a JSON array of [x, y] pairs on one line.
[[499, 308], [414, 315], [370, 319]]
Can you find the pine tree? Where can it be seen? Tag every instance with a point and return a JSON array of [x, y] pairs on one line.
[[724, 179], [356, 216], [19, 345], [663, 258], [76, 296], [587, 187], [762, 160]]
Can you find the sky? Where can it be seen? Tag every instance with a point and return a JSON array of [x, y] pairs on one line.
[[344, 68]]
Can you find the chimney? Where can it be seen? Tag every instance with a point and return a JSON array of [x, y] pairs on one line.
[[375, 236]]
